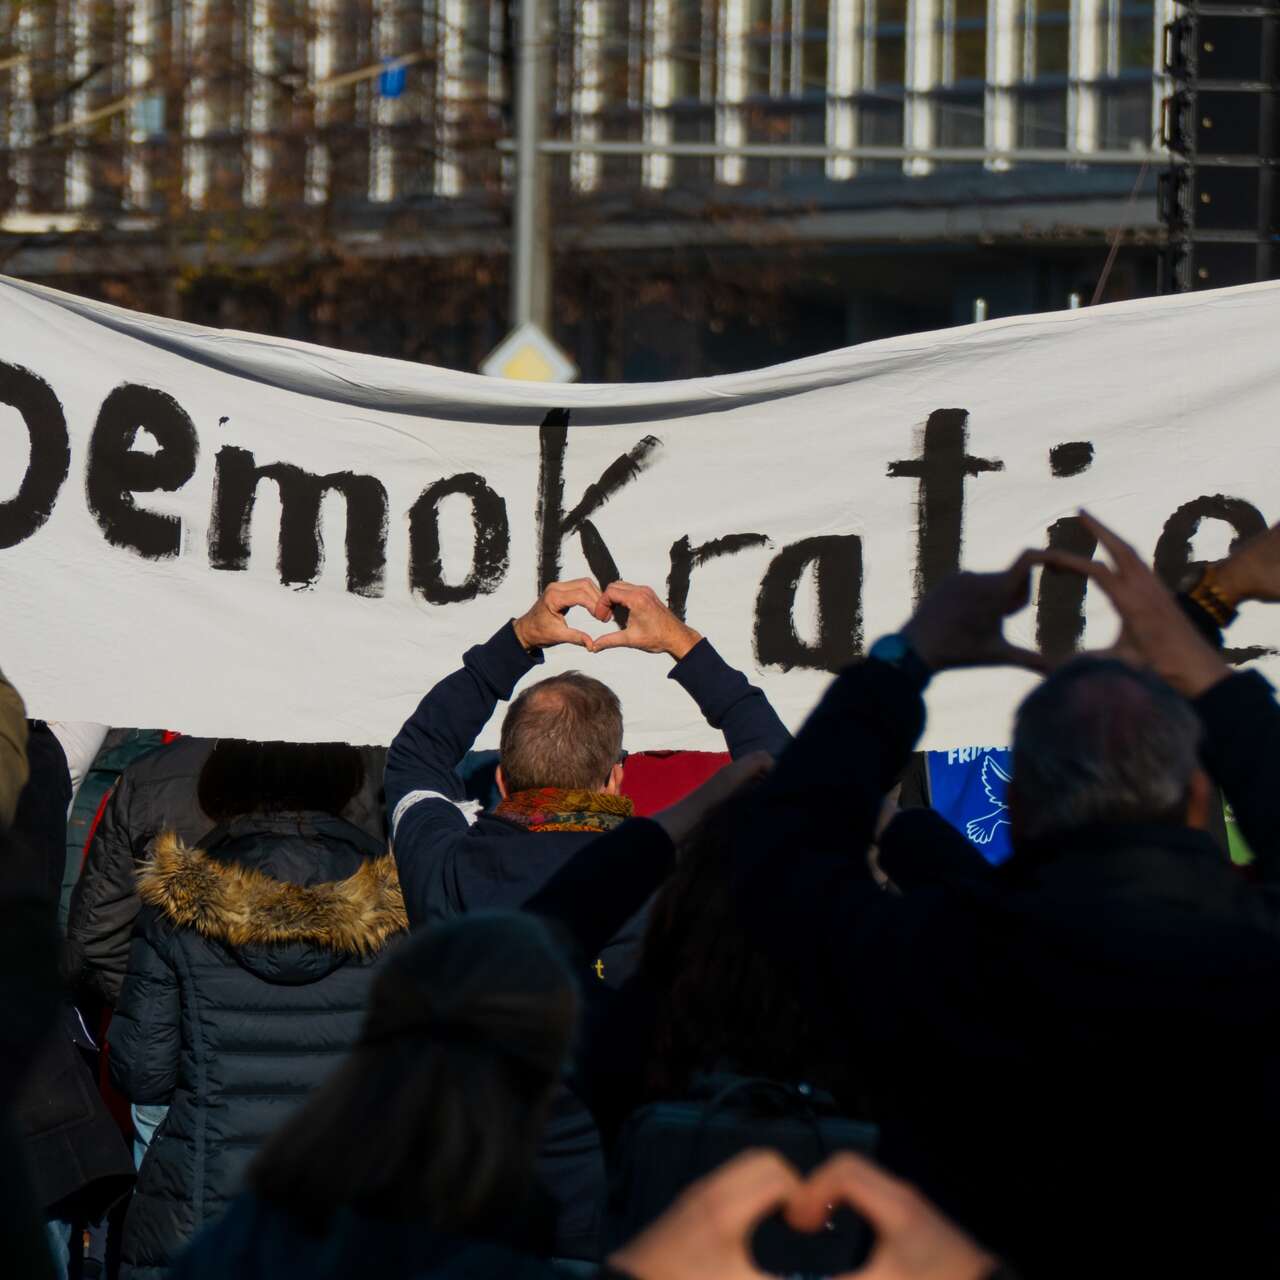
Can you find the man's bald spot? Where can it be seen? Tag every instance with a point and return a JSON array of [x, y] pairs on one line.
[[565, 731]]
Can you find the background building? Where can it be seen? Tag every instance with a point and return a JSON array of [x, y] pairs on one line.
[[332, 169]]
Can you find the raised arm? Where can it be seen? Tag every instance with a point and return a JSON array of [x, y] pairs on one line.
[[428, 815], [804, 883], [423, 760], [725, 697], [1241, 751], [802, 873], [1238, 710]]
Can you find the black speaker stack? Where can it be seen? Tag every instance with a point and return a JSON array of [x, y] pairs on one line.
[[1220, 201]]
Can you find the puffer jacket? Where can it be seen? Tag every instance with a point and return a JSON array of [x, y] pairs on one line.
[[247, 983], [155, 794]]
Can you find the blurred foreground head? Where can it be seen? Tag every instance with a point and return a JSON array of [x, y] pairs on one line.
[[436, 1116], [1100, 742]]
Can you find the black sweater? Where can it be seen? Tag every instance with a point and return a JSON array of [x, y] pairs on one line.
[[1078, 1049], [1074, 1055]]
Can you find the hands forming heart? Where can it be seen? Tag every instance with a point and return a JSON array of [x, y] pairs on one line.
[[706, 1234], [1154, 631], [650, 626]]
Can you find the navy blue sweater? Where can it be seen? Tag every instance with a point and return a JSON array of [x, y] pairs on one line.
[[453, 861]]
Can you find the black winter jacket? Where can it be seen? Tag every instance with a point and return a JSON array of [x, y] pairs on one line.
[[247, 984], [153, 795], [156, 794], [29, 994], [1075, 1055], [452, 861], [79, 1163]]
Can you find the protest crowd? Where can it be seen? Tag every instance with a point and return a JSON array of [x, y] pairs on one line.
[[323, 1011]]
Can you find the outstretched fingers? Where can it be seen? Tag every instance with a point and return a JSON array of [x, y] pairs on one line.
[[1017, 580], [1124, 555], [1069, 562]]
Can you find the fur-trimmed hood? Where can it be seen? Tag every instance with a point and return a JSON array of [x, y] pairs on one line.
[[242, 907]]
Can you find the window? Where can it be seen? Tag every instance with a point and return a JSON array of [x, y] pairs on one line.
[[786, 48], [1119, 88], [962, 46], [1125, 115], [1044, 57], [276, 42], [1042, 118], [881, 110], [960, 118], [608, 64], [94, 46], [688, 115], [1134, 35], [1046, 35], [786, 81], [888, 43], [961, 72], [881, 126], [689, 50], [469, 41]]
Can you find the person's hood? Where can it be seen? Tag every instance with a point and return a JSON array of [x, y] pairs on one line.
[[281, 931]]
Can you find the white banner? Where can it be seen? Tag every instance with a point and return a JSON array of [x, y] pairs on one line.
[[228, 534]]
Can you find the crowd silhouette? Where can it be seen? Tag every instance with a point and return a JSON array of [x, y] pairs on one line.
[[324, 1011]]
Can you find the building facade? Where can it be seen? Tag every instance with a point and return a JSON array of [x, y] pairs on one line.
[[950, 150]]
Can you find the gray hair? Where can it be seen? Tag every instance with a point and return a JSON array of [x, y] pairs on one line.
[[1102, 742]]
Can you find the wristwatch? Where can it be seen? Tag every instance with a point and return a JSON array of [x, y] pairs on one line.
[[1205, 590], [896, 651]]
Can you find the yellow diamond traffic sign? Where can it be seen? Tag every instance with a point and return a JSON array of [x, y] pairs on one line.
[[527, 353]]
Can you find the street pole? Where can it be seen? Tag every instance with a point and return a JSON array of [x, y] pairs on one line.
[[531, 243], [821, 151]]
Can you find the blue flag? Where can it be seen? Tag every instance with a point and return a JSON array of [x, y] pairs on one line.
[[969, 786], [391, 80]]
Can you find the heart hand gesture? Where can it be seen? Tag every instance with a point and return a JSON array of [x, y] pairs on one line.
[[651, 627], [708, 1231], [544, 624]]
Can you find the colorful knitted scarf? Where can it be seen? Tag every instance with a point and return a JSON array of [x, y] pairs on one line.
[[555, 809]]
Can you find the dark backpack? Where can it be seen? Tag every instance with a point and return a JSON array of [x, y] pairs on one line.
[[664, 1147]]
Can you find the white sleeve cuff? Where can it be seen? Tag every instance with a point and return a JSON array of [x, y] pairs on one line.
[[470, 809]]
